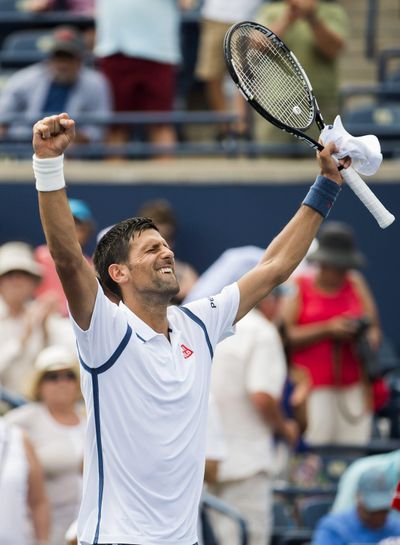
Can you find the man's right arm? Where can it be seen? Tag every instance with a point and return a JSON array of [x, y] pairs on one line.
[[51, 137]]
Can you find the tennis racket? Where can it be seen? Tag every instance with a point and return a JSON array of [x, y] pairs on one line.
[[274, 83]]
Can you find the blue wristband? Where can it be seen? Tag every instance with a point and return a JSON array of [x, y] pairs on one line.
[[322, 195]]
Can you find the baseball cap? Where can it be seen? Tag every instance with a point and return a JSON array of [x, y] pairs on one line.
[[18, 256], [375, 490], [66, 40], [80, 210]]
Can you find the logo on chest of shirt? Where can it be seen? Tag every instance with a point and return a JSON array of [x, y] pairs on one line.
[[187, 352]]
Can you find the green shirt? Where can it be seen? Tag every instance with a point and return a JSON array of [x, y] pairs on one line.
[[299, 37]]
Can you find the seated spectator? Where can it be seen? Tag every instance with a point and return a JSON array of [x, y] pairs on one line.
[[368, 521], [56, 427], [389, 462], [22, 490], [84, 225], [27, 324], [60, 83]]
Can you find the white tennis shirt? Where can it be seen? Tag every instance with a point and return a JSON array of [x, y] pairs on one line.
[[147, 401]]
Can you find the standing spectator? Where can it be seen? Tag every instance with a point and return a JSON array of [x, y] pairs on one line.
[[56, 428], [137, 43], [27, 325], [217, 17], [22, 490], [315, 30], [369, 521], [50, 283], [60, 83], [249, 406], [322, 322]]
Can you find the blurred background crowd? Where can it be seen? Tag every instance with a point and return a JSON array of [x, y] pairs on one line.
[[303, 436]]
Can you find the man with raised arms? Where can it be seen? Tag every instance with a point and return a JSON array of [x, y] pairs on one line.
[[145, 363]]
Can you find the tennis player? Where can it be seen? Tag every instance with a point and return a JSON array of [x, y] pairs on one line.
[[146, 364]]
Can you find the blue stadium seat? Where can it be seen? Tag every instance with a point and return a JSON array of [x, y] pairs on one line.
[[311, 510], [382, 119], [24, 47], [8, 5]]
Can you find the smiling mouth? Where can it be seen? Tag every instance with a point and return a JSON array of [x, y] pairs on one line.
[[166, 270]]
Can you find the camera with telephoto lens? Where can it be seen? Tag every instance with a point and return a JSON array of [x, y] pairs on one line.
[[368, 356]]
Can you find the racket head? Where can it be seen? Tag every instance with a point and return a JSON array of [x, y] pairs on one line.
[[270, 77]]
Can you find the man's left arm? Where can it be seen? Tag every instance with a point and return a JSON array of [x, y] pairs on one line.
[[290, 246]]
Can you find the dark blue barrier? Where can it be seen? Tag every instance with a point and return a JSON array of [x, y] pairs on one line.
[[217, 216]]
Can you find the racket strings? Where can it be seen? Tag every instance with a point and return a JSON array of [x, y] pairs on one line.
[[272, 77]]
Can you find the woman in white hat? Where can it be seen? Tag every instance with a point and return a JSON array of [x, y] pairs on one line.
[[55, 424], [27, 324]]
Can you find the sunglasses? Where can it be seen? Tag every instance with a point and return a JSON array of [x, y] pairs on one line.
[[55, 376]]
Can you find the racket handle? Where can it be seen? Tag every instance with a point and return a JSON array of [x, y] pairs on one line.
[[367, 197]]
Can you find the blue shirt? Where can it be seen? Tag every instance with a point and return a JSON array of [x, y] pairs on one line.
[[346, 528], [57, 97]]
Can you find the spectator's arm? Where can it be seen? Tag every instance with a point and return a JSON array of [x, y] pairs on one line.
[[211, 471], [338, 327], [37, 498], [269, 409], [327, 40]]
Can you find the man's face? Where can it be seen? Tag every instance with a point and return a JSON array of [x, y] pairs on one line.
[[64, 68], [151, 265], [372, 519]]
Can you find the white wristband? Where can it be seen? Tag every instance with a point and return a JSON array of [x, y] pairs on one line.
[[49, 173]]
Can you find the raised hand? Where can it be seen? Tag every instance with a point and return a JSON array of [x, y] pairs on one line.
[[52, 135]]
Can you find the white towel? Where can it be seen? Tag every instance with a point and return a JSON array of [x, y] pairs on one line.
[[365, 151]]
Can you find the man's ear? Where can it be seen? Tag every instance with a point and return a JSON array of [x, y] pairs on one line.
[[119, 273]]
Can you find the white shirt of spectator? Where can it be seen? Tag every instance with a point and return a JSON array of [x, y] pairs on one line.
[[251, 361], [230, 11], [13, 486], [147, 402]]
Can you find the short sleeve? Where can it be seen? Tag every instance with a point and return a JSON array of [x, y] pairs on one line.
[[218, 312], [107, 328], [266, 369]]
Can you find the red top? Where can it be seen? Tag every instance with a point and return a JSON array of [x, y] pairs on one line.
[[318, 358]]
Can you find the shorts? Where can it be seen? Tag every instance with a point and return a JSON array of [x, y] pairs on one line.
[[140, 84], [210, 61]]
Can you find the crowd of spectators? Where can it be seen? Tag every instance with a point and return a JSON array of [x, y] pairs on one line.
[[292, 377], [131, 60], [286, 391]]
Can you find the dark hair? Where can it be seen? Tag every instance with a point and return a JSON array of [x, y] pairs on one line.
[[160, 211], [113, 247]]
